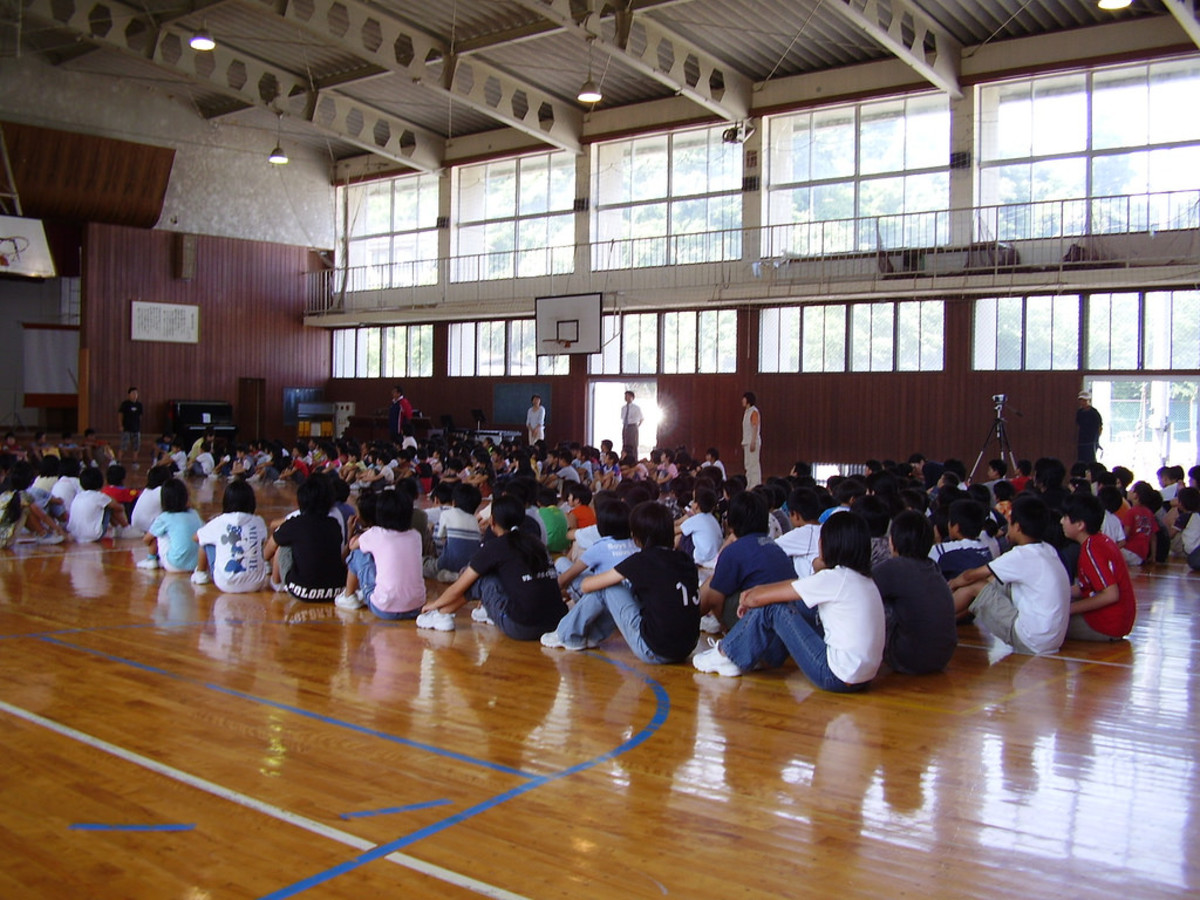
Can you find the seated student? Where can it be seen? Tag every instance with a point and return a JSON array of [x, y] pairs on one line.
[[839, 650], [175, 456], [554, 519], [1103, 604], [512, 577], [712, 458], [204, 464], [1023, 597], [613, 545], [579, 511], [1188, 500], [1140, 524], [19, 510], [877, 516], [803, 543], [1024, 475], [171, 537], [658, 614], [93, 511], [964, 550], [441, 498], [457, 535], [306, 549], [699, 532], [1112, 501], [917, 603], [115, 488], [149, 501], [385, 559], [67, 485], [233, 543], [752, 559]]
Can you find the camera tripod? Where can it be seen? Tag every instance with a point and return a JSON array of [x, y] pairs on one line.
[[999, 431]]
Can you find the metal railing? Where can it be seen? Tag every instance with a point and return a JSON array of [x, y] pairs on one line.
[[1115, 231]]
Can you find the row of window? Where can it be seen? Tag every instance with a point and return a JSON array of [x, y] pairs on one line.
[[1099, 332], [1094, 152]]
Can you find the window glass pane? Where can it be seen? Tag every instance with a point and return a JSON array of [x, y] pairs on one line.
[[833, 143], [490, 348], [648, 176], [373, 213], [1112, 331], [535, 185], [559, 364], [367, 365], [1120, 108], [1060, 110], [608, 360], [1173, 330], [824, 336], [639, 344], [420, 351], [679, 343], [717, 341], [927, 132], [1174, 87], [920, 336], [462, 348], [790, 148], [522, 349], [343, 353], [881, 136], [779, 339], [1052, 332], [984, 334]]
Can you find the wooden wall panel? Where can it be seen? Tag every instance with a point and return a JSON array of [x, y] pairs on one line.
[[843, 417], [251, 298]]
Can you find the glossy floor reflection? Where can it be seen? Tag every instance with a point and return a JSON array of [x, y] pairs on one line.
[[267, 748]]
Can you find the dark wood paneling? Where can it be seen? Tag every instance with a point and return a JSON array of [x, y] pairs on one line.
[[83, 178], [250, 296], [842, 417]]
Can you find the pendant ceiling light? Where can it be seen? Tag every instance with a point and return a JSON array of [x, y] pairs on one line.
[[590, 91]]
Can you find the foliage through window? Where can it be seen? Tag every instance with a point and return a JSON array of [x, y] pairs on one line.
[[1035, 333], [500, 348], [908, 336], [393, 351], [389, 230]]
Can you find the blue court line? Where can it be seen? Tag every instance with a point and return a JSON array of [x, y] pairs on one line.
[[661, 711], [395, 809], [304, 713], [100, 826]]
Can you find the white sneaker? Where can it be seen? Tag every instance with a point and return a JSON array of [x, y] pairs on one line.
[[199, 577], [553, 641], [710, 624], [480, 615], [278, 587], [51, 538], [150, 562], [447, 576], [437, 620], [713, 660], [349, 601]]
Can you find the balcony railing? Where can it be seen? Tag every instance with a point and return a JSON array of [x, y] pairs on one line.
[[1054, 235]]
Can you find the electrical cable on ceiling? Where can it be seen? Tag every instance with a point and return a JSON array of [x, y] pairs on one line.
[[792, 44], [1000, 28]]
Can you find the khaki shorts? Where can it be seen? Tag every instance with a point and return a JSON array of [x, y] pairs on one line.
[[995, 610]]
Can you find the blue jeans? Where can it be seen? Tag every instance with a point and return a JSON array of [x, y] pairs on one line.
[[597, 615], [768, 635], [490, 592], [363, 566]]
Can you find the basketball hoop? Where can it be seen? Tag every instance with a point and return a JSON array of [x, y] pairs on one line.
[[566, 345]]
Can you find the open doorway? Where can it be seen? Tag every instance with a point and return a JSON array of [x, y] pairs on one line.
[[1148, 423], [605, 399]]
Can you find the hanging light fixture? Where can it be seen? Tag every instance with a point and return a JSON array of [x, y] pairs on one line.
[[590, 91], [278, 157], [202, 41], [1114, 4]]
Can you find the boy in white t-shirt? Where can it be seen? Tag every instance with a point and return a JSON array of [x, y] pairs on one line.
[[232, 544], [803, 543], [1023, 597], [93, 511]]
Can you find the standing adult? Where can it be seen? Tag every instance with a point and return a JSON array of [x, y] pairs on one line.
[[631, 421], [131, 424], [1090, 423], [752, 439], [535, 420], [399, 414]]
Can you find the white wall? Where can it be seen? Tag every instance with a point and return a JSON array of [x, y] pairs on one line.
[[21, 301], [221, 183]]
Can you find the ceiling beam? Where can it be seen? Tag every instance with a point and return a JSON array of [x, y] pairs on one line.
[[113, 24], [644, 45], [912, 35], [1186, 15], [399, 47]]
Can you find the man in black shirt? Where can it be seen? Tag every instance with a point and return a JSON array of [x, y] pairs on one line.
[[131, 425], [1090, 423]]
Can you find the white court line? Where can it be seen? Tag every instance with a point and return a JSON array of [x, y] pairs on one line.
[[336, 834]]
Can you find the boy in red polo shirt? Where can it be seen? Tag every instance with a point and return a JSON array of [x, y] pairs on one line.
[[1103, 605]]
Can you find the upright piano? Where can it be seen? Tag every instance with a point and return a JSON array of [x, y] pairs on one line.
[[189, 419]]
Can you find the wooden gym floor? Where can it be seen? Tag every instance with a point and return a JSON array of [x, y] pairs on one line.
[[162, 740]]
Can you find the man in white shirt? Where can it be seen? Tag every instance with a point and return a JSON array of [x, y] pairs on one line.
[[752, 439], [631, 420]]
